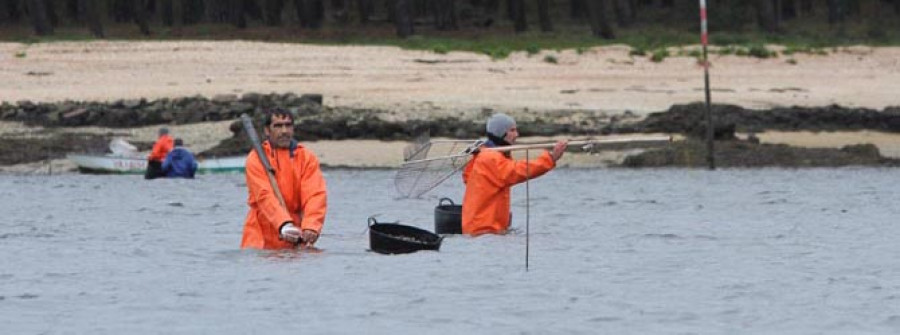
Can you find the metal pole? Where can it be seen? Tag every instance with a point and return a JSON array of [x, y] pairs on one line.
[[49, 162], [527, 208], [710, 156]]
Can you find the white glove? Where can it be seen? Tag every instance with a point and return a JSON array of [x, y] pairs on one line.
[[289, 232]]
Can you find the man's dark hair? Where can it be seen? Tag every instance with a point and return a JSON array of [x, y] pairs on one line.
[[179, 142], [271, 113]]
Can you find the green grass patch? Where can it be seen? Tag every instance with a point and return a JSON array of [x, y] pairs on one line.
[[21, 54], [760, 51], [803, 49], [551, 59], [659, 55], [440, 49], [637, 52], [695, 54]]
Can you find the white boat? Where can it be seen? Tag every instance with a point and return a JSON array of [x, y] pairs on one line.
[[119, 164]]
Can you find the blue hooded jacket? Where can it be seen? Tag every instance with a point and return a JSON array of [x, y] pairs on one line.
[[179, 163]]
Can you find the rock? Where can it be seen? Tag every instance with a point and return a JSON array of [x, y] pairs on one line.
[[225, 98], [25, 104], [252, 98], [315, 98], [237, 108], [133, 103]]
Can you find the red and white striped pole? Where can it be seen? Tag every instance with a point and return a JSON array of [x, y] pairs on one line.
[[704, 39]]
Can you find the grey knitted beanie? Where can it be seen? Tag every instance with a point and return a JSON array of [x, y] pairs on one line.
[[499, 124]]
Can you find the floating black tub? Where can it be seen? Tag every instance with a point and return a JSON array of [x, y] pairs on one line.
[[447, 217], [393, 238]]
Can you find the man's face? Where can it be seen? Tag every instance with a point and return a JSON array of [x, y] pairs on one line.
[[280, 131], [511, 135]]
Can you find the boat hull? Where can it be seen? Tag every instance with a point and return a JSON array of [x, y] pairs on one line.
[[100, 164]]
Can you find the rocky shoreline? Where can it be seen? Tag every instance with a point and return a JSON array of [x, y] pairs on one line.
[[318, 122]]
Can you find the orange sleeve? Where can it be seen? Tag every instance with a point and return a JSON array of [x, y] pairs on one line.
[[313, 197], [509, 172], [161, 148], [261, 193]]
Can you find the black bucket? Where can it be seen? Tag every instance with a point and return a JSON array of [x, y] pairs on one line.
[[392, 238], [447, 218]]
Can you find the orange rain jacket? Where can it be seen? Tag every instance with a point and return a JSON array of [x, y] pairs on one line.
[[488, 177], [302, 185], [161, 148]]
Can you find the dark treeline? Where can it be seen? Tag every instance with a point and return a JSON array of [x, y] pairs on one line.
[[601, 17]]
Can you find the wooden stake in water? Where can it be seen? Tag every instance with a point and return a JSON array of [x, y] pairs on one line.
[[704, 39]]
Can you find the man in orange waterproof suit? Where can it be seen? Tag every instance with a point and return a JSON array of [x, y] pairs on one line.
[[297, 173], [490, 174]]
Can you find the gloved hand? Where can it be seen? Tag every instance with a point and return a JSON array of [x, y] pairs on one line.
[[309, 236], [289, 232]]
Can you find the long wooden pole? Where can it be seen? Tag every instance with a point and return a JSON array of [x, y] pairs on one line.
[[604, 142], [611, 141]]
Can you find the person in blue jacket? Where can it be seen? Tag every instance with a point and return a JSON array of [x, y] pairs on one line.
[[180, 162]]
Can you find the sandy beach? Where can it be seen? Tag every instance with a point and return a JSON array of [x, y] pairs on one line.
[[421, 84]]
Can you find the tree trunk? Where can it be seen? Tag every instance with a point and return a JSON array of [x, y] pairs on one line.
[[236, 14], [520, 21], [403, 18], [310, 13], [598, 14], [806, 7], [141, 13], [303, 13], [445, 15], [5, 15], [853, 7], [93, 11], [37, 9], [9, 11], [365, 10], [492, 7], [544, 15], [451, 13], [766, 17], [835, 11], [50, 5], [790, 10], [272, 12], [170, 12], [340, 10], [318, 9], [217, 11], [193, 11], [777, 12], [624, 13], [577, 8]]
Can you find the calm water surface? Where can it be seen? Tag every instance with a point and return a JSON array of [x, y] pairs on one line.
[[611, 252]]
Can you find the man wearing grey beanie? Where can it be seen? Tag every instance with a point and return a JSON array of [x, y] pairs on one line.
[[490, 174]]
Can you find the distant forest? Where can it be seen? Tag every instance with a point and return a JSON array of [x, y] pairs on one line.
[[602, 18]]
